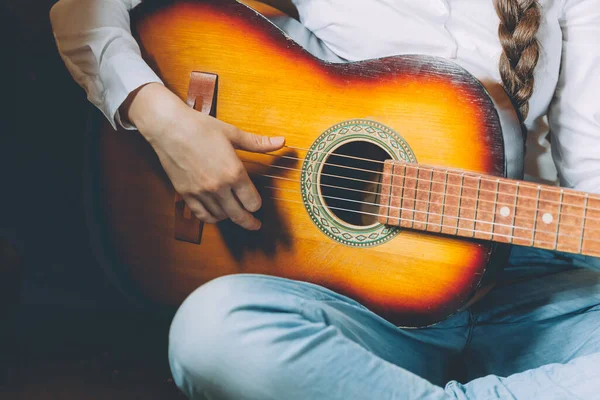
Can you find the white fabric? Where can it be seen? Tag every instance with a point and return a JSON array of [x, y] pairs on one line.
[[94, 39]]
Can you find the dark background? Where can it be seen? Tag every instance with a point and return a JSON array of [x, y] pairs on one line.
[[71, 336]]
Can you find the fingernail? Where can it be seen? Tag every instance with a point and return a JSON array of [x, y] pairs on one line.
[[277, 140]]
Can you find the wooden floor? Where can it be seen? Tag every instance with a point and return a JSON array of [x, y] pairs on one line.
[[85, 354], [72, 337]]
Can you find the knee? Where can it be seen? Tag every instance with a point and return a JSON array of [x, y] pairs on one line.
[[216, 334], [196, 339], [200, 326]]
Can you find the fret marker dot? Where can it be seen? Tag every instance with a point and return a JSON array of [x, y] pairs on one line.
[[504, 211], [547, 218]]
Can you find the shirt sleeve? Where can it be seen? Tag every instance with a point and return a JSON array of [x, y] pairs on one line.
[[95, 42], [574, 114]]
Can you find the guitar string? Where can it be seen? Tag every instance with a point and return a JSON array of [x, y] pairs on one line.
[[458, 218], [564, 213], [588, 229], [449, 172], [512, 237], [416, 188]]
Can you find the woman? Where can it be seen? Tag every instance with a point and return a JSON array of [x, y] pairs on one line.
[[255, 337]]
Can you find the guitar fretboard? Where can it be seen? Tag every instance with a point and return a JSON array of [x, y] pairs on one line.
[[477, 206]]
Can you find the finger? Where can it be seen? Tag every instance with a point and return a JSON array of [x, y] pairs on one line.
[[247, 194], [255, 143], [212, 206], [236, 212], [199, 210]]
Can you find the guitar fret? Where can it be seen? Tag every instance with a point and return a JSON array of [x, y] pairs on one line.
[[495, 205], [558, 219], [407, 213], [414, 199], [444, 201], [571, 217], [436, 201], [395, 196], [476, 205], [429, 199], [451, 208], [486, 203], [505, 214], [592, 226], [386, 198], [547, 214], [460, 195], [401, 213], [583, 222], [537, 208], [468, 207], [524, 215], [512, 233], [422, 198], [387, 179]]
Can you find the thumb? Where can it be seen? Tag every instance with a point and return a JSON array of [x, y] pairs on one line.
[[257, 143]]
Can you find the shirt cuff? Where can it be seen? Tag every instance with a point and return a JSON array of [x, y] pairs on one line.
[[121, 75]]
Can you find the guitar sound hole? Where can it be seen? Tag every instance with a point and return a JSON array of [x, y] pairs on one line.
[[350, 181]]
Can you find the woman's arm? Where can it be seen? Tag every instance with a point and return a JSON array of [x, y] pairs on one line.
[[94, 39], [196, 151]]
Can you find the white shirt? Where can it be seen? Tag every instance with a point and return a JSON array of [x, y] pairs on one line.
[[93, 37]]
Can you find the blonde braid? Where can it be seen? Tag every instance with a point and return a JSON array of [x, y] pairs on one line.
[[519, 24]]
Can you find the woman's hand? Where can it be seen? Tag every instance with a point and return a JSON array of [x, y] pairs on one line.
[[197, 153]]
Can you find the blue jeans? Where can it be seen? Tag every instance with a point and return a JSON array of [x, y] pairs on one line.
[[535, 336]]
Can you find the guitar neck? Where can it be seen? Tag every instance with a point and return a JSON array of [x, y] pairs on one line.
[[466, 204]]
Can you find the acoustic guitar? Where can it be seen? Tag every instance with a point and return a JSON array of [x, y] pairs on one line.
[[400, 185]]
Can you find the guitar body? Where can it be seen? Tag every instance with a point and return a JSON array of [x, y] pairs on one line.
[[411, 108]]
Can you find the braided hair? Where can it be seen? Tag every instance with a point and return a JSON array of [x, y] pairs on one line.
[[519, 24]]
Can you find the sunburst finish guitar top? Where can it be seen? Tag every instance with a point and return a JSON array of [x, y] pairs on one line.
[[321, 194]]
